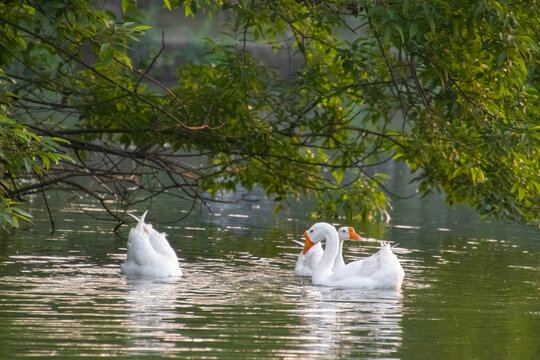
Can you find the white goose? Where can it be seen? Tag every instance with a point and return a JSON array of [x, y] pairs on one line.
[[380, 271], [149, 253], [307, 262]]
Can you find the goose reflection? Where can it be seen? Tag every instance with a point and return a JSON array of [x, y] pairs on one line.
[[338, 322], [151, 313]]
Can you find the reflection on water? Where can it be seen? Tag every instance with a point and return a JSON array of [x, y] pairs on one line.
[[151, 316], [336, 321], [64, 295]]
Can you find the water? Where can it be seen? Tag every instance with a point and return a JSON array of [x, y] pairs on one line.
[[471, 289]]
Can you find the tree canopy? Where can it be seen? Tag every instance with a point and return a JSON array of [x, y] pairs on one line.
[[449, 88]]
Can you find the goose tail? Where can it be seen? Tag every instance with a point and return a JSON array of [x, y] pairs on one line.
[[133, 216], [139, 220], [144, 216]]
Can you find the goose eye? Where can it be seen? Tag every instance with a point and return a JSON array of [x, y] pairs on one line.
[[311, 230]]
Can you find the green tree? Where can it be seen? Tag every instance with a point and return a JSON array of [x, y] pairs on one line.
[[449, 88]]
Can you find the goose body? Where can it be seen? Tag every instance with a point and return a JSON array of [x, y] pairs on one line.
[[381, 271], [149, 253], [307, 262]]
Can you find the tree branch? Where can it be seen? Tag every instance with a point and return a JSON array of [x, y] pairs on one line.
[[101, 75]]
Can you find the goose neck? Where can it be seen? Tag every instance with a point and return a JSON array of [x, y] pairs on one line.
[[330, 251]]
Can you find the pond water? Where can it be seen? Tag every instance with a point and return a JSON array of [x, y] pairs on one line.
[[471, 288]]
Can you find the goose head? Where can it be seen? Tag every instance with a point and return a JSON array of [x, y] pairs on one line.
[[316, 233], [348, 233]]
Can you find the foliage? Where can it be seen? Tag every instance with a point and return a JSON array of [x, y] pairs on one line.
[[22, 149], [449, 88]]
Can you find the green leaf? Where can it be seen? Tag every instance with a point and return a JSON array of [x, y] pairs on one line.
[[400, 31], [141, 28], [10, 94], [456, 172], [167, 4], [498, 7], [387, 35], [521, 193], [125, 4], [33, 136], [413, 29], [46, 161], [477, 175], [535, 185], [57, 139], [188, 11], [22, 213], [106, 54], [28, 165], [514, 188], [65, 157], [338, 175], [127, 61], [432, 25], [405, 7]]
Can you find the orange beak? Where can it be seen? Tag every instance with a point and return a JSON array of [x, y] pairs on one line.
[[353, 235], [308, 244]]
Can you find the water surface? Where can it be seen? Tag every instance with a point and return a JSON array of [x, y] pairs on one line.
[[471, 289]]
